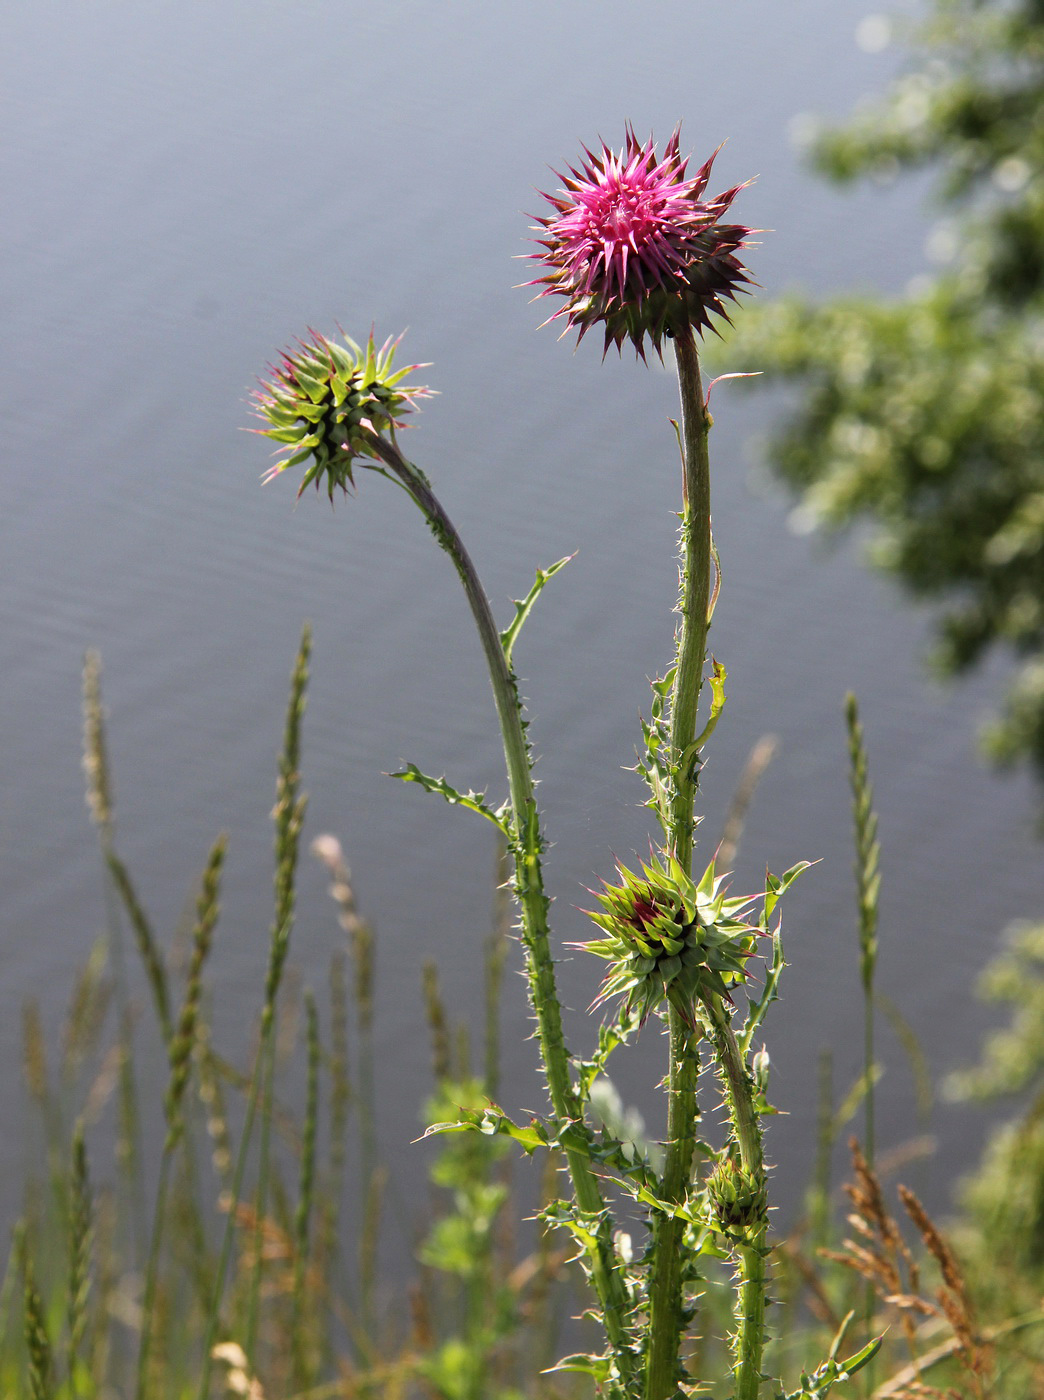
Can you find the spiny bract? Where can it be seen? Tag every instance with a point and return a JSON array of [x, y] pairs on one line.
[[326, 402], [740, 1199]]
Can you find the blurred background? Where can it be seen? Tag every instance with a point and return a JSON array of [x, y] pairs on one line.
[[187, 188]]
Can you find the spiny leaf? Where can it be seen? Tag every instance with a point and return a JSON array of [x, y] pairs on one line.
[[491, 1121], [597, 1366], [776, 886], [769, 993], [524, 606], [716, 680], [864, 1357], [819, 1384], [473, 801]]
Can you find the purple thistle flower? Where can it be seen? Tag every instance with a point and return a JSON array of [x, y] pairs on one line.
[[634, 244]]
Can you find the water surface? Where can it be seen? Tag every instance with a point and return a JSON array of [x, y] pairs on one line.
[[187, 188]]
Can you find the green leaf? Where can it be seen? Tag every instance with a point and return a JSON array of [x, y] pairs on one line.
[[523, 608], [716, 680], [283, 434], [314, 388], [819, 1384], [597, 1366], [690, 756], [473, 801], [712, 602], [769, 993], [298, 458], [584, 1226], [491, 1121], [863, 1358], [776, 886]]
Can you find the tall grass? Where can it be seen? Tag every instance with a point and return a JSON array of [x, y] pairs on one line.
[[238, 1276], [254, 1271]]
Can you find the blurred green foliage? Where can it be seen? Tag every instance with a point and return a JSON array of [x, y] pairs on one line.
[[1000, 1233], [1005, 1198], [925, 416]]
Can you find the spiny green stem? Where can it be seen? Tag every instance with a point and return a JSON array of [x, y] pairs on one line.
[[665, 1277], [665, 1284], [527, 846], [694, 599], [750, 1314], [750, 1299], [739, 1087]]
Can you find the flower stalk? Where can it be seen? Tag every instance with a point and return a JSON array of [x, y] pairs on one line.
[[694, 600], [634, 244], [527, 845], [334, 408], [666, 1314], [665, 1285]]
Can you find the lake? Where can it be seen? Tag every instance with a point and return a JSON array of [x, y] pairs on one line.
[[187, 188]]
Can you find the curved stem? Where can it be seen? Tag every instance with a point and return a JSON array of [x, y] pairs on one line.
[[665, 1284], [527, 846]]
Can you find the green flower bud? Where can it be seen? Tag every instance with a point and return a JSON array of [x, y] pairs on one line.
[[759, 1067], [669, 939], [740, 1199], [326, 403]]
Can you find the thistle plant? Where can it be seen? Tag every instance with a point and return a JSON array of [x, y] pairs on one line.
[[634, 244]]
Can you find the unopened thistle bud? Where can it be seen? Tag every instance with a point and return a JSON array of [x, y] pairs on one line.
[[739, 1198], [760, 1066], [669, 939], [326, 402]]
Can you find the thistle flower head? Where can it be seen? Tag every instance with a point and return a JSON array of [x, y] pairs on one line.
[[667, 938], [634, 244], [740, 1199], [327, 401]]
